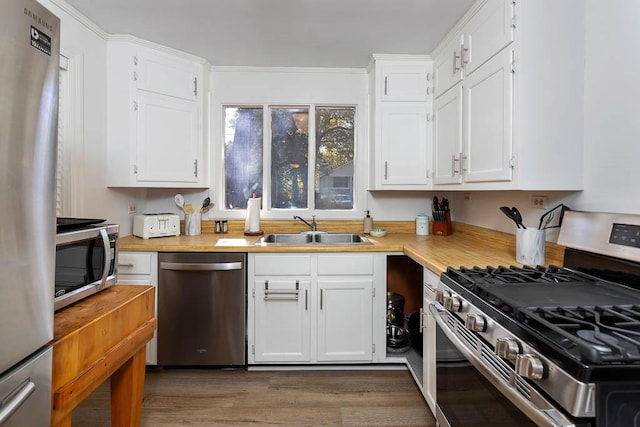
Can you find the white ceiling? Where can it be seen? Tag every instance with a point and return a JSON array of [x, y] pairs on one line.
[[283, 33]]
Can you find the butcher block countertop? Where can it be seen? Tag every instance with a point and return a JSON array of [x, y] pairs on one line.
[[103, 336], [468, 245]]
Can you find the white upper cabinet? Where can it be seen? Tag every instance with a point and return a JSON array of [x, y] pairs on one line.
[[487, 33], [401, 89], [155, 114], [173, 76], [447, 132], [447, 66], [403, 81], [508, 108]]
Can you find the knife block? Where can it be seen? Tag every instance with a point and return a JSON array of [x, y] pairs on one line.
[[442, 228]]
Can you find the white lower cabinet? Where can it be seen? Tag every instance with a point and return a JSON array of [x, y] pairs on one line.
[[345, 319], [141, 268], [282, 319], [312, 308], [431, 280]]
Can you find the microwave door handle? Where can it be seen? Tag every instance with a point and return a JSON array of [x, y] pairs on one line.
[[107, 258]]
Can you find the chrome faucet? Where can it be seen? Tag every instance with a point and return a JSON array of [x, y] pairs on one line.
[[313, 224]]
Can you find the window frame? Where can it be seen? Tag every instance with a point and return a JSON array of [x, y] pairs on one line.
[[360, 158]]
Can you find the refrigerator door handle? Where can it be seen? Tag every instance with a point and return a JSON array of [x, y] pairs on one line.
[[15, 399]]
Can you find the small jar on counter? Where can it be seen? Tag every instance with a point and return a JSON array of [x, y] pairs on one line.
[[422, 224]]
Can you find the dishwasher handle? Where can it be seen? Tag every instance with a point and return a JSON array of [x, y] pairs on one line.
[[194, 266]]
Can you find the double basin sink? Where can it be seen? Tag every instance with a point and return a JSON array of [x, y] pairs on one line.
[[313, 239]]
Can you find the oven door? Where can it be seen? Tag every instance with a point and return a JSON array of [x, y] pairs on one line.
[[470, 394]]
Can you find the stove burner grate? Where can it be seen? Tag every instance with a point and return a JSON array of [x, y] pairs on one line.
[[598, 334]]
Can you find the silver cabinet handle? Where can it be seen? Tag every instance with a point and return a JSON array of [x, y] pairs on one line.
[[216, 266], [306, 300], [26, 388], [463, 168], [125, 265], [385, 85], [453, 165], [195, 86], [195, 168], [464, 58], [455, 62], [320, 299], [385, 170]]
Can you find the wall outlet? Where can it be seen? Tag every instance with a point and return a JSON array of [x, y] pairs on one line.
[[132, 208], [467, 197], [539, 202]]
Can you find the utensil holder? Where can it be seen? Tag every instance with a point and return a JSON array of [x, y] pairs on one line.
[[192, 224], [530, 245]]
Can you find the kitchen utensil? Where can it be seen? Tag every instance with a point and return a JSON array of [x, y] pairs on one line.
[[187, 208], [205, 204], [518, 218], [509, 213], [179, 201], [547, 218]]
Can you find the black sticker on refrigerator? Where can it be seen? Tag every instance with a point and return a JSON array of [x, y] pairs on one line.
[[40, 41]]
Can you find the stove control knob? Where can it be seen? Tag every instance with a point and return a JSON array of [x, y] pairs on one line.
[[529, 366], [452, 303], [441, 294], [507, 348], [476, 323]]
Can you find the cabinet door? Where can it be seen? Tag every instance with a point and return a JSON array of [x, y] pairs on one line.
[[141, 268], [167, 139], [429, 340], [447, 137], [403, 81], [447, 67], [168, 75], [487, 33], [281, 320], [488, 128], [345, 319], [404, 144]]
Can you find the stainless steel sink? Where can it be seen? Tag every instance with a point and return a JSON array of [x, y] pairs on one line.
[[287, 239], [313, 238], [341, 239]]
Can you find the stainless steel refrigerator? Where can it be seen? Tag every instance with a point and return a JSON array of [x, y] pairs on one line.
[[29, 66]]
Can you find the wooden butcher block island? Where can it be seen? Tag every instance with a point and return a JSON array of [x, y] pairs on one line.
[[103, 336]]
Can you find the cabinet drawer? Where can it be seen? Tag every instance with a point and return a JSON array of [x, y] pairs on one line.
[[134, 263], [352, 264], [282, 264]]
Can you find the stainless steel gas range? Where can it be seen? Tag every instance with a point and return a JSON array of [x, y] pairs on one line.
[[548, 346]]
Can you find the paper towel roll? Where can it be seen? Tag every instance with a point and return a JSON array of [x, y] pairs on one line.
[[252, 222]]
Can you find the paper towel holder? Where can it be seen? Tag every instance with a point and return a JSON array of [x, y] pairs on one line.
[[248, 231]]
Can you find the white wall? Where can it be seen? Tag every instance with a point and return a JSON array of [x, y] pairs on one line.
[[85, 43]]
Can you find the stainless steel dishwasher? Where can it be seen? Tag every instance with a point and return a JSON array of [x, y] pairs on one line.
[[201, 309]]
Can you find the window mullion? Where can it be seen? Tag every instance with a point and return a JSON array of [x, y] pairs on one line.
[[266, 158], [311, 164]]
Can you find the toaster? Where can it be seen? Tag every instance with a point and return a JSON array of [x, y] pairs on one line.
[[156, 225]]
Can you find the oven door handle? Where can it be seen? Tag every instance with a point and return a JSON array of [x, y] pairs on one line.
[[548, 417], [107, 259]]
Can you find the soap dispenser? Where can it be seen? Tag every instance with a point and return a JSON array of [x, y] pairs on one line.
[[367, 223]]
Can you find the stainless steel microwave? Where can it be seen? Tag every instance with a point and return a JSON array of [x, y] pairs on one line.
[[85, 262]]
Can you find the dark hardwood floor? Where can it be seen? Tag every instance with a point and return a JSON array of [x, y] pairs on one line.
[[204, 397]]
